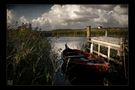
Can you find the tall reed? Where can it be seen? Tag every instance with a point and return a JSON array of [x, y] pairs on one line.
[[28, 59]]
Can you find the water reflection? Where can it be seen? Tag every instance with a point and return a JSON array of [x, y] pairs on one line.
[[58, 44]]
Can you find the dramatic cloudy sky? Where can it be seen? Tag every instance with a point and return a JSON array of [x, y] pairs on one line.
[[49, 16]]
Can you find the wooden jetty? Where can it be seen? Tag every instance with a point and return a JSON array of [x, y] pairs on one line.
[[118, 44], [109, 42]]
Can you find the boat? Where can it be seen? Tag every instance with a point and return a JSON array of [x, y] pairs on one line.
[[88, 67]]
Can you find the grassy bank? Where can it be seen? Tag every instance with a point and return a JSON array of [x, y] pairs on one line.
[[28, 58]]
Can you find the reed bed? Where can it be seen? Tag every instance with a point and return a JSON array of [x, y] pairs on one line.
[[28, 59]]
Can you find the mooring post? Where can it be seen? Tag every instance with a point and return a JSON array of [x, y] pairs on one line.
[[108, 53], [89, 36], [105, 33], [98, 49], [91, 48], [122, 55], [89, 32]]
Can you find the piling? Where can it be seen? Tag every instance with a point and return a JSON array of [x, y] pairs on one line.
[[105, 33], [88, 29], [88, 32]]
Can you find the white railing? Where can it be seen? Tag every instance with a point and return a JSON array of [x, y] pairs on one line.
[[105, 44]]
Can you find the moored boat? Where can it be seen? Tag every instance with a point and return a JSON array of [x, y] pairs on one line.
[[83, 65]]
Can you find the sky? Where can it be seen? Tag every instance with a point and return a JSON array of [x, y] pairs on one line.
[[68, 16]]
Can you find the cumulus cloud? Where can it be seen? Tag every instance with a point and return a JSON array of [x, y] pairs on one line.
[[103, 6], [118, 9], [79, 16], [10, 16], [23, 20], [59, 16], [120, 15], [122, 19]]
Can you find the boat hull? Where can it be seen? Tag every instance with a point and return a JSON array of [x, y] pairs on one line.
[[83, 75], [84, 68]]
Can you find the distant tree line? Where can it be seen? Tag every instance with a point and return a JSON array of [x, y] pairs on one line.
[[118, 32]]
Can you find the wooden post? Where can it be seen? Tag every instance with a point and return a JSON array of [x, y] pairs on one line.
[[121, 49], [91, 48], [105, 33], [98, 49], [108, 53], [89, 35], [124, 56], [89, 32]]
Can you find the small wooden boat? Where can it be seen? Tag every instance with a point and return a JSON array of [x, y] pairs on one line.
[[82, 64]]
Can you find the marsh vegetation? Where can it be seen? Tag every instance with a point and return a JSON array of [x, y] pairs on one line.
[[28, 60]]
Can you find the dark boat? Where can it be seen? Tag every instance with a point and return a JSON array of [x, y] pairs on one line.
[[82, 67]]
